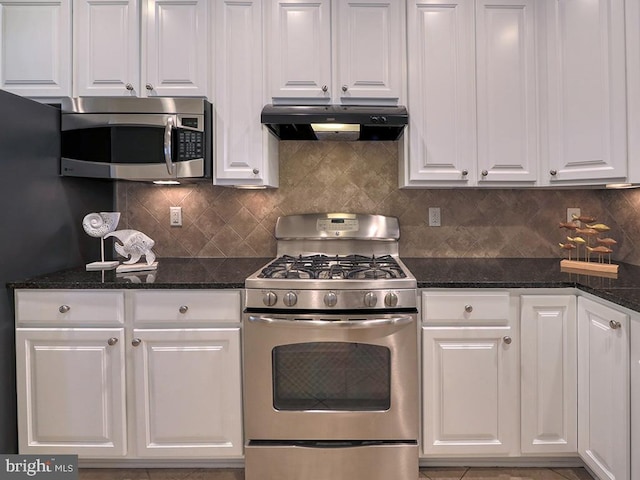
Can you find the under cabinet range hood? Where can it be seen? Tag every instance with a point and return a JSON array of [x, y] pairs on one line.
[[335, 122]]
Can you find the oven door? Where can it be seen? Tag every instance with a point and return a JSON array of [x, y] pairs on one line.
[[330, 377]]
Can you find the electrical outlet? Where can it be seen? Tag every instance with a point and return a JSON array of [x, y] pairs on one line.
[[434, 216], [571, 212], [175, 216]]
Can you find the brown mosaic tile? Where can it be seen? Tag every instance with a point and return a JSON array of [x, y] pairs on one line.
[[363, 177]]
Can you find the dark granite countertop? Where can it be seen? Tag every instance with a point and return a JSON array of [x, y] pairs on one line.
[[173, 273], [179, 273], [524, 273]]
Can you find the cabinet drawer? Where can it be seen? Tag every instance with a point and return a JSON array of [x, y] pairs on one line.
[[465, 308], [69, 307], [192, 306]]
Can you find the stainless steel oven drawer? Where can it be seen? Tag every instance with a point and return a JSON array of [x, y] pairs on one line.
[[397, 461]]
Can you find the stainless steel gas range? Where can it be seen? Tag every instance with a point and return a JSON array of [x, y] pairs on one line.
[[330, 354]]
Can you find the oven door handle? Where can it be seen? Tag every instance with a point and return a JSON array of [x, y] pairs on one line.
[[377, 322]]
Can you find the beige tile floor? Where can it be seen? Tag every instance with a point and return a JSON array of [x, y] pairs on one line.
[[432, 473]]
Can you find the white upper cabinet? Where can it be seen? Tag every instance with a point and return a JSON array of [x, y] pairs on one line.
[[473, 116], [322, 52], [107, 45], [506, 91], [586, 133], [35, 47], [157, 48], [632, 11], [368, 50], [299, 50], [246, 152], [442, 140], [176, 47]]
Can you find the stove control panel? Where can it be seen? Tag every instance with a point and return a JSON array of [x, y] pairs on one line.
[[331, 299]]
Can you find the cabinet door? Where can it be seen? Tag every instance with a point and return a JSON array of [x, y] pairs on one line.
[[187, 392], [71, 391], [441, 94], [35, 53], [635, 398], [106, 46], [299, 51], [369, 50], [470, 391], [507, 91], [586, 91], [549, 374], [632, 14], [175, 47], [603, 390], [246, 153]]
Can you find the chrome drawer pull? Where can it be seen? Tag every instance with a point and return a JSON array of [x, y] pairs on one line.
[[468, 308], [507, 340], [64, 308], [135, 342], [112, 341], [614, 324], [183, 309]]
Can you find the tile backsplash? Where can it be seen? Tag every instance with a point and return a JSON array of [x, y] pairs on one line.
[[363, 177]]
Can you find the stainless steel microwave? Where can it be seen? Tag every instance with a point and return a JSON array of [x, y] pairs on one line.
[[136, 138]]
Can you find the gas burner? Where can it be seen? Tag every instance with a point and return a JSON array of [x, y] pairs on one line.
[[325, 267]]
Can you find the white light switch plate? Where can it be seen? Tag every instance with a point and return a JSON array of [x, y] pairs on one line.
[[175, 216], [571, 212]]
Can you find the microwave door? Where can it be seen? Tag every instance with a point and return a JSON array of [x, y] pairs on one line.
[[120, 146]]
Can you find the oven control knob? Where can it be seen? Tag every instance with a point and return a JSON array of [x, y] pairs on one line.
[[270, 299], [330, 299], [370, 299], [391, 299], [290, 299]]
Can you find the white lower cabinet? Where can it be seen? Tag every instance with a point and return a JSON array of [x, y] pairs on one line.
[[603, 390], [185, 404], [470, 374], [635, 397], [548, 372], [71, 391], [163, 380]]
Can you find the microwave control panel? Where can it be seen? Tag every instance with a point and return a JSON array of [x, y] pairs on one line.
[[190, 144]]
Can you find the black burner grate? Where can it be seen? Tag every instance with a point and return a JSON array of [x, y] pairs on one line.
[[326, 267]]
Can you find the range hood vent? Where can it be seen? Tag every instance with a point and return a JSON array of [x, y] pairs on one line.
[[335, 122]]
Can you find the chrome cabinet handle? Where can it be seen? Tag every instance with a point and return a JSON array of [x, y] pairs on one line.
[[183, 309], [465, 173], [344, 88], [64, 308], [553, 173], [128, 86], [507, 340], [484, 173], [615, 324], [325, 88], [256, 171], [112, 341], [136, 341], [378, 322], [148, 86], [468, 308], [167, 145]]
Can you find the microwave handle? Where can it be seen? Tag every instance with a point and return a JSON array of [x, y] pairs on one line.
[[167, 145]]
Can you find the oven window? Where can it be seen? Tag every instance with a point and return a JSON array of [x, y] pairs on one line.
[[331, 376]]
